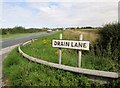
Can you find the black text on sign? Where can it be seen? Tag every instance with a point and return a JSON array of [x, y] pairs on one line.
[[81, 45]]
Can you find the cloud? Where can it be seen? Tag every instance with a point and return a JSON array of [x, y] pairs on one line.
[[67, 0], [59, 14], [0, 13]]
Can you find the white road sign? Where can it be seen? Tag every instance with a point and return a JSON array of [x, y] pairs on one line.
[[81, 45]]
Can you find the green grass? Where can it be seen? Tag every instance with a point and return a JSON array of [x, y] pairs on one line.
[[22, 72], [42, 49], [14, 35]]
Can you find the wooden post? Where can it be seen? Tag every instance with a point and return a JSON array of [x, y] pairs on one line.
[[60, 52], [80, 53]]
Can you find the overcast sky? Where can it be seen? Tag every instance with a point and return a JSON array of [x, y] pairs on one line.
[[56, 13]]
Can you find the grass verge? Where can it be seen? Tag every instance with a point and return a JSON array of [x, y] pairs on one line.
[[42, 49], [22, 72], [15, 35]]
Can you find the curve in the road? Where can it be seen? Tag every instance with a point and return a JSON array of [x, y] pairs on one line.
[[18, 40]]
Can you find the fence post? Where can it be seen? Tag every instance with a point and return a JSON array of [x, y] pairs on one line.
[[80, 53], [60, 52]]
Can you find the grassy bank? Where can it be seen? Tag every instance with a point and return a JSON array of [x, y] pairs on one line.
[[42, 49], [22, 72]]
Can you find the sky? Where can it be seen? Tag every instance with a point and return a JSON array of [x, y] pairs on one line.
[[57, 13]]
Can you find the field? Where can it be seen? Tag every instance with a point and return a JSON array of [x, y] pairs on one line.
[[89, 35], [20, 71], [14, 35], [18, 31]]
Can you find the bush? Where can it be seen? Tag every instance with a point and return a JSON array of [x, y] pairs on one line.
[[109, 41]]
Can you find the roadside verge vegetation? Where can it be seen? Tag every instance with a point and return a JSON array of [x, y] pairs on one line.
[[20, 71], [18, 31]]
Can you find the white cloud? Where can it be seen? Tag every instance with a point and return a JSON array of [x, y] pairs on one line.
[[1, 12], [73, 0], [61, 14]]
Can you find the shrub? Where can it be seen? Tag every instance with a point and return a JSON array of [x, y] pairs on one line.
[[109, 41]]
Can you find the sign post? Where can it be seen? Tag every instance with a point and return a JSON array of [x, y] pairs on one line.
[[71, 44], [80, 53], [60, 52]]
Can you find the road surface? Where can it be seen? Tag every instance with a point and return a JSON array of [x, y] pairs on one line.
[[14, 41]]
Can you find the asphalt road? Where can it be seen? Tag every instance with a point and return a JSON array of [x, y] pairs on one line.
[[18, 40], [13, 41]]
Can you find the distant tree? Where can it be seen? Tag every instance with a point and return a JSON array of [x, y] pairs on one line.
[[77, 28], [87, 27], [20, 29]]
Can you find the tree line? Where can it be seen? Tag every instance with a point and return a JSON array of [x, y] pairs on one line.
[[20, 29]]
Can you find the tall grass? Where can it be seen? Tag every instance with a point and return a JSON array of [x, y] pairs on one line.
[[89, 35]]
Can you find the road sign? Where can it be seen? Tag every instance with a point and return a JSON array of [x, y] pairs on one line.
[[81, 45], [71, 44]]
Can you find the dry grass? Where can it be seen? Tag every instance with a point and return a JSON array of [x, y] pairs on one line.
[[87, 35]]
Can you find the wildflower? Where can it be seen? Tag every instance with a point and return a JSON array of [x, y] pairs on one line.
[[46, 42]]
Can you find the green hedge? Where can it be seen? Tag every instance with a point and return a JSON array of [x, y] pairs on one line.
[[109, 41]]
